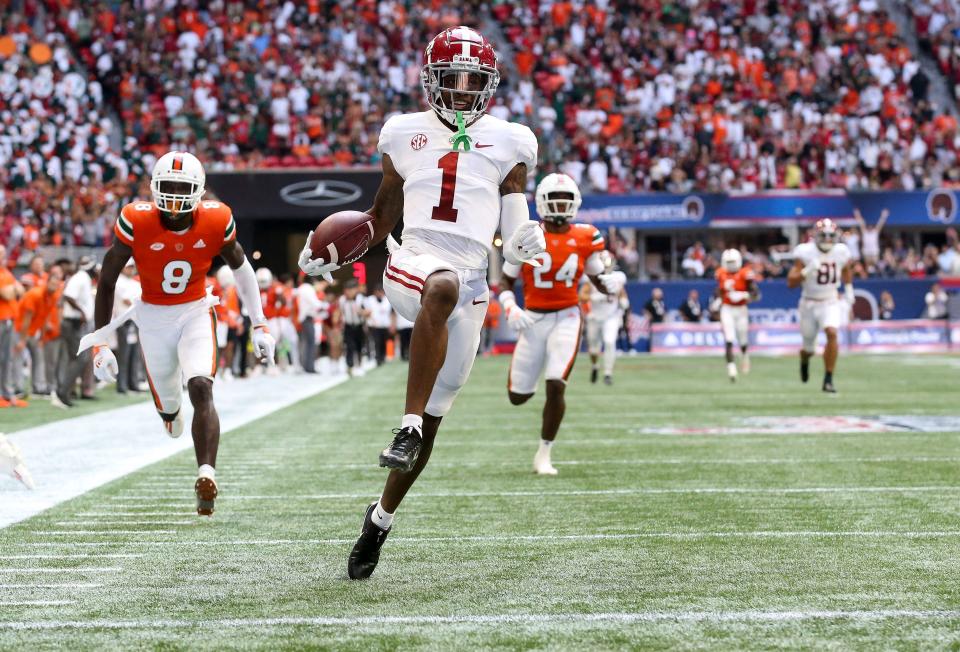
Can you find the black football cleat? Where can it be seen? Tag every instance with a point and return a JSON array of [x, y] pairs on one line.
[[608, 380], [402, 453], [804, 371], [594, 374], [828, 387], [366, 551]]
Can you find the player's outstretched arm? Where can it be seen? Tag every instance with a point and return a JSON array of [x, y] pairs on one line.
[[113, 263], [754, 291], [387, 206], [884, 214]]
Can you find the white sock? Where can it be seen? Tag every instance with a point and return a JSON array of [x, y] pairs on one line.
[[731, 368], [206, 471], [412, 420], [381, 517], [545, 445]]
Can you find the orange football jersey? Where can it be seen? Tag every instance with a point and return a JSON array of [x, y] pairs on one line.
[[173, 266], [738, 281], [554, 285]]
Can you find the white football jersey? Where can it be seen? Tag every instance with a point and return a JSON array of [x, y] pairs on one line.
[[455, 193], [603, 306], [822, 284]]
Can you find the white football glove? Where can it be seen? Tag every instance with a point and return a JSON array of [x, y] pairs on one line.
[[315, 267], [105, 364], [519, 319], [613, 282], [264, 346], [11, 462], [738, 295], [526, 242], [812, 268]]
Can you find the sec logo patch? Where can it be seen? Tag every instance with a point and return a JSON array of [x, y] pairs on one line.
[[418, 141]]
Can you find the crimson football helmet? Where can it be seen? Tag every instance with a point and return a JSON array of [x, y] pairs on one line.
[[459, 74], [827, 234]]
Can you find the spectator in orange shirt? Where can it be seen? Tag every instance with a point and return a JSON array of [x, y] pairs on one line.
[[10, 292], [34, 313]]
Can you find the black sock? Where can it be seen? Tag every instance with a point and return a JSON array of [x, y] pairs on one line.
[[828, 376]]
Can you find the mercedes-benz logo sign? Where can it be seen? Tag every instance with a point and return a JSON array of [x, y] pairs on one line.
[[321, 193]]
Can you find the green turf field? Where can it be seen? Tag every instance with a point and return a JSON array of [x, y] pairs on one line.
[[751, 539]]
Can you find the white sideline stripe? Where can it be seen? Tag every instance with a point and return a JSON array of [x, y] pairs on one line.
[[92, 555], [73, 456], [551, 620], [677, 536], [580, 492], [51, 586], [57, 533], [171, 512], [94, 569], [107, 523], [33, 603]]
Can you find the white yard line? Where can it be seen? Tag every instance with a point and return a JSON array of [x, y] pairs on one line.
[[555, 621], [73, 585], [70, 457], [120, 514], [93, 569], [92, 555], [70, 533], [33, 603], [570, 492], [534, 538], [88, 523]]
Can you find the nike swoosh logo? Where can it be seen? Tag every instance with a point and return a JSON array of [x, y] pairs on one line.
[[477, 303], [478, 145]]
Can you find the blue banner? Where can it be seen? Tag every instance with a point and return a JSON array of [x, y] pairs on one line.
[[778, 303], [911, 336], [664, 211]]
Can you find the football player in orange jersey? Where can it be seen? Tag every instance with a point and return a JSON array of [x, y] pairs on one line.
[[551, 322], [736, 287], [173, 241]]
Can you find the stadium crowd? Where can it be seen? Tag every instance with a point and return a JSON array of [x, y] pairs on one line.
[[626, 96]]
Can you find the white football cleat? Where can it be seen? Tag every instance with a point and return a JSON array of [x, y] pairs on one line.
[[174, 428], [732, 371], [11, 462], [745, 364], [541, 463]]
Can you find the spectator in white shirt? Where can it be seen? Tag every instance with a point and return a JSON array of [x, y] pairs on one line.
[[936, 301], [309, 307], [77, 318], [380, 322]]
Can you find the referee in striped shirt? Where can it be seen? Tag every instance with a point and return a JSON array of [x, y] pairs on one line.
[[354, 316]]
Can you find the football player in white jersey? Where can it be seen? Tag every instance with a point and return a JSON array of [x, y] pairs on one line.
[[456, 175], [819, 267], [603, 323]]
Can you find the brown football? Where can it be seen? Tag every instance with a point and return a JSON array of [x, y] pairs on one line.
[[343, 237]]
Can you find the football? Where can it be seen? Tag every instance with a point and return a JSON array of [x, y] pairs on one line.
[[343, 237]]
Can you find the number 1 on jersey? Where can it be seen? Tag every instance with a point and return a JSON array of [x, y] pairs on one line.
[[445, 212]]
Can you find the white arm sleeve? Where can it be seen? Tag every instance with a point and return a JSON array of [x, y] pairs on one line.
[[249, 292], [513, 213], [594, 265], [510, 269], [507, 299]]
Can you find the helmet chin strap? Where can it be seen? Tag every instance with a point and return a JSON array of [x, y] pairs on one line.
[[461, 140]]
